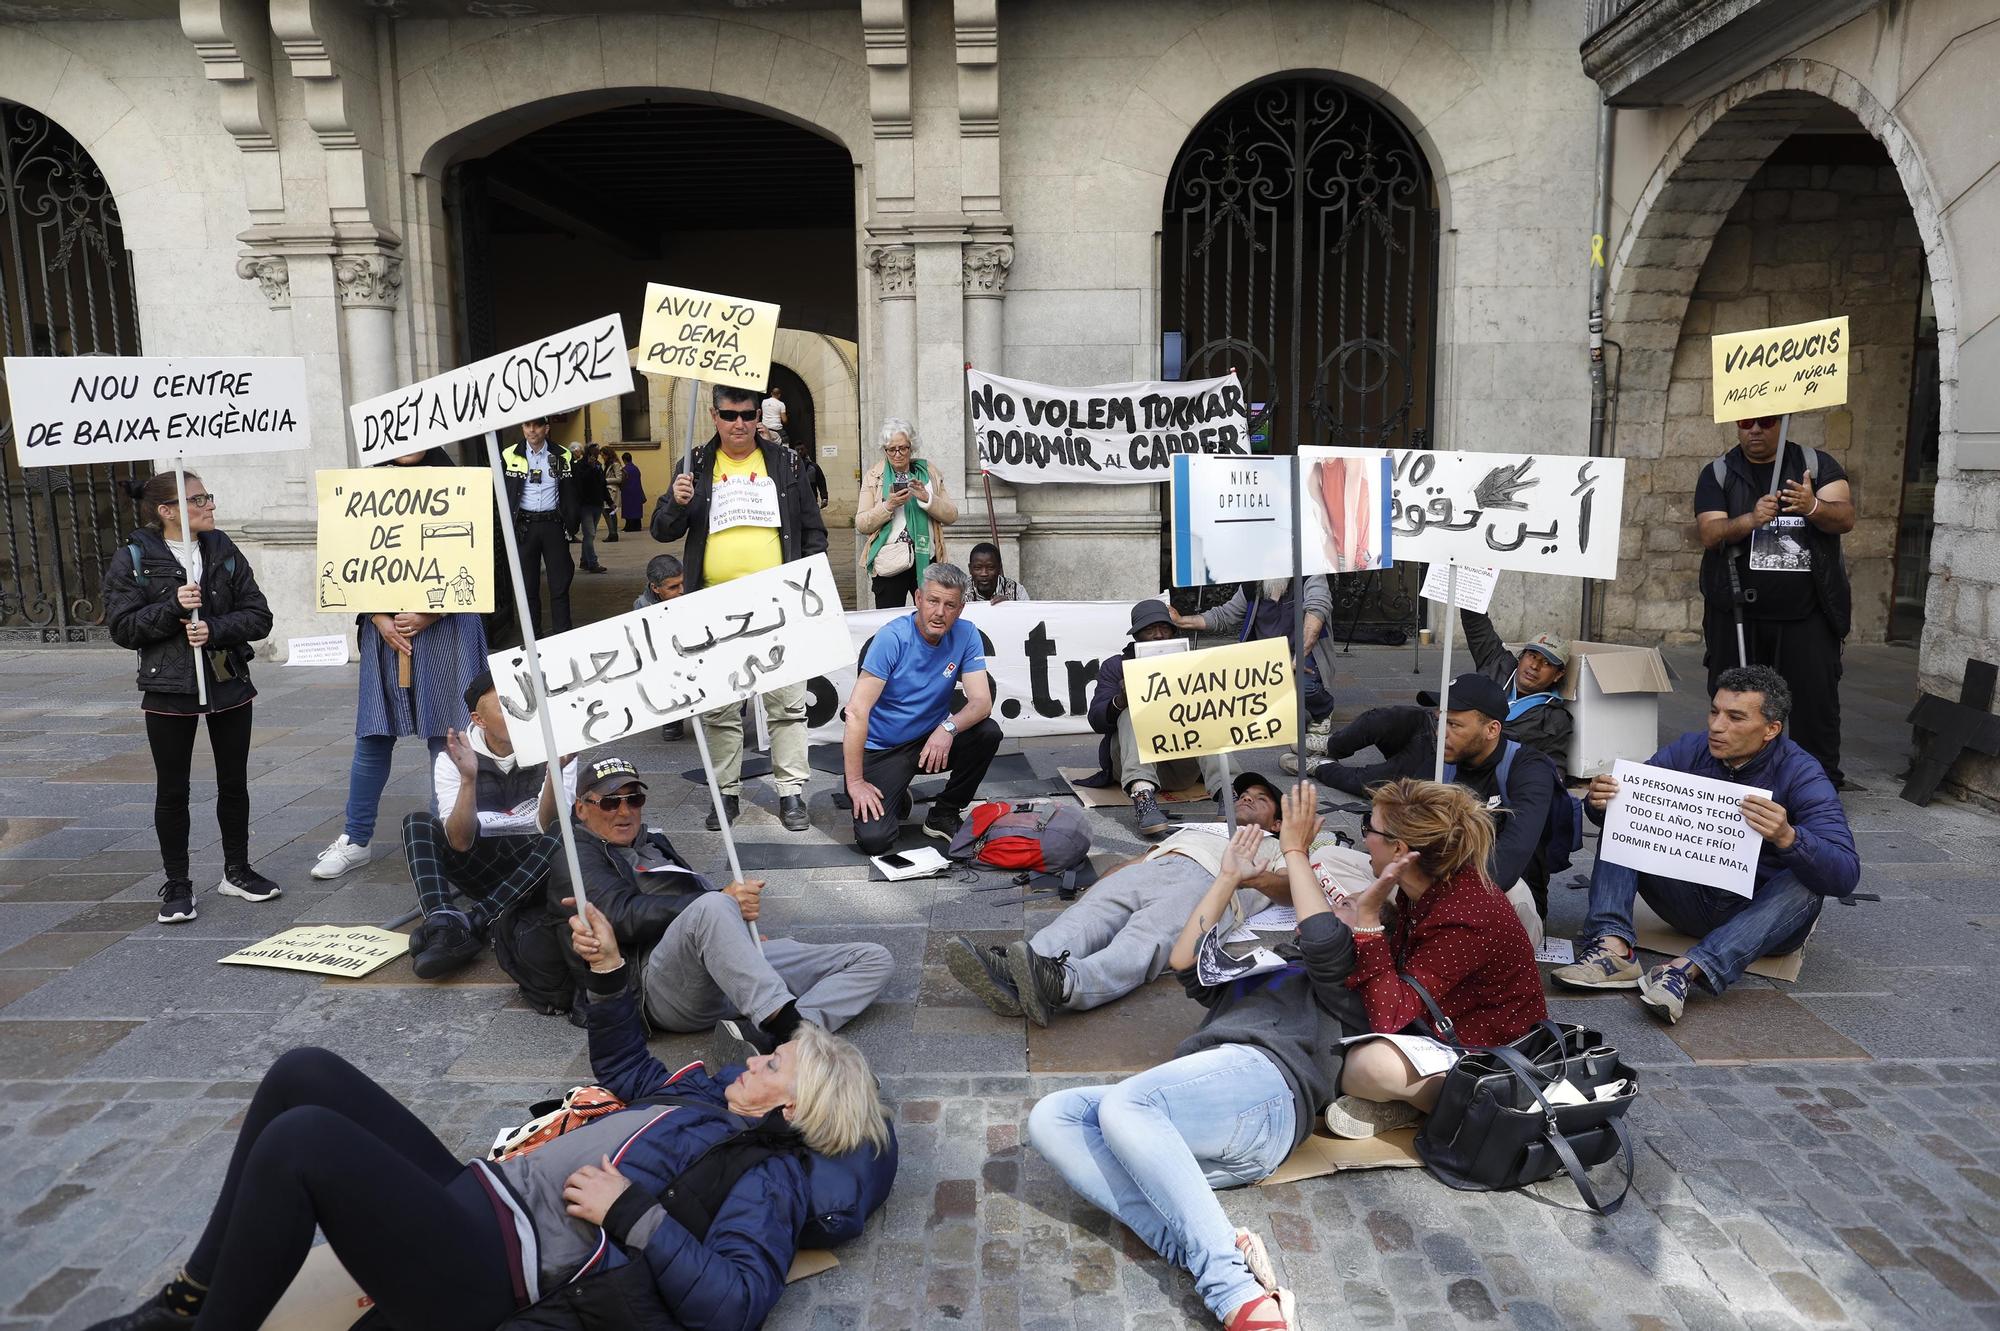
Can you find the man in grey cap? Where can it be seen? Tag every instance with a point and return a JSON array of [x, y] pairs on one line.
[[1118, 757]]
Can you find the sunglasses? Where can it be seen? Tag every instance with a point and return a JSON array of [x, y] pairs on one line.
[[199, 501], [749, 415], [1369, 829], [613, 803], [1745, 422]]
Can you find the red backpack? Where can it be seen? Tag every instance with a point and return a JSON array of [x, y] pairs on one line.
[[1050, 839]]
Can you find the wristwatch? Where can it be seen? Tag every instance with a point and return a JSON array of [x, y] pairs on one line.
[[950, 726]]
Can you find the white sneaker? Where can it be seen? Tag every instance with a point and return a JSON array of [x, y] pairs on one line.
[[338, 858]]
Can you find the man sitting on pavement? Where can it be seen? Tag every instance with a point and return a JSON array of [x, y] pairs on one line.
[[1262, 610], [989, 580], [1118, 757], [899, 717], [1520, 792], [691, 944], [664, 581], [1807, 856], [1119, 935], [486, 842]]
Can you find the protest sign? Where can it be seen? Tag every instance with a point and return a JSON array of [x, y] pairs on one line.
[[1349, 507], [77, 410], [1772, 371], [352, 950], [1475, 586], [700, 335], [330, 649], [404, 538], [1681, 826], [1509, 510], [557, 372], [1232, 519], [693, 654], [1041, 659], [1112, 434], [747, 501], [1242, 696]]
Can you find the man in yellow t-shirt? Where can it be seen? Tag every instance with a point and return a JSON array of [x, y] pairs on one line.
[[743, 506]]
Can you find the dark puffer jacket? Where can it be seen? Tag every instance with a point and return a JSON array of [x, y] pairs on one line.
[[143, 610]]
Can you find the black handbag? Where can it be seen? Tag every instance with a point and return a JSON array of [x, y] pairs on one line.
[[1494, 1127]]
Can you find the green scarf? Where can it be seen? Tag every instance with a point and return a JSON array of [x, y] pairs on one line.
[[915, 520]]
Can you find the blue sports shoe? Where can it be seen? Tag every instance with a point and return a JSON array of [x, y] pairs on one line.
[[1664, 991]]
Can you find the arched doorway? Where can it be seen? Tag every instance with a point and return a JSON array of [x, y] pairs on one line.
[[65, 290], [1299, 247], [798, 400]]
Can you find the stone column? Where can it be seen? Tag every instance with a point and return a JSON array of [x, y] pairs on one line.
[[895, 269], [368, 285], [985, 283]]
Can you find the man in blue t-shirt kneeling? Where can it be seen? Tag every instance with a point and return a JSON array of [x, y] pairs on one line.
[[900, 722]]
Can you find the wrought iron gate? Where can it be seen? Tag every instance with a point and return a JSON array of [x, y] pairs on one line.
[[1299, 246], [65, 290]]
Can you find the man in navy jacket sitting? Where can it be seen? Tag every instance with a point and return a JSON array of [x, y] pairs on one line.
[[1808, 855]]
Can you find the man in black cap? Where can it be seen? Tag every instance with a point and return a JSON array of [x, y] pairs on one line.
[[1118, 757], [1118, 936], [542, 500], [691, 943], [488, 841], [1519, 784]]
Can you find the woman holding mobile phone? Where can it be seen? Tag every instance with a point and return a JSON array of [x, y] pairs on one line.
[[903, 507]]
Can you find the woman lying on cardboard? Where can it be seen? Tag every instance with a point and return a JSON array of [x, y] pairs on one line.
[[577, 1228]]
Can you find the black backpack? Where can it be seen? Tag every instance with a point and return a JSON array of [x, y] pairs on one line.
[[526, 942]]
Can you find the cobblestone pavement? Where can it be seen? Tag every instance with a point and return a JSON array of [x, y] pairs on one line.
[[1820, 1154]]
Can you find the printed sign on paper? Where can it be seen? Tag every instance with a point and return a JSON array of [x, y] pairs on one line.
[[405, 538], [77, 410], [1681, 826], [1112, 434], [1779, 546], [696, 653], [700, 335], [1350, 507], [1510, 510], [1242, 696], [743, 501], [1772, 371], [1232, 519], [352, 950], [556, 373], [324, 650], [1475, 586]]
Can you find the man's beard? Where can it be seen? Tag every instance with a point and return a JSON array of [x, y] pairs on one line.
[[1275, 588]]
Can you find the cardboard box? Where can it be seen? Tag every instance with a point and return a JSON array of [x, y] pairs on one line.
[[1614, 698]]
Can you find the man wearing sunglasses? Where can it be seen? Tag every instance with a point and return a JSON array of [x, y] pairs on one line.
[[690, 942], [1789, 582], [779, 522]]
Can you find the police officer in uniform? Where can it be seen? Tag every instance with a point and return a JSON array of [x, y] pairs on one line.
[[541, 492]]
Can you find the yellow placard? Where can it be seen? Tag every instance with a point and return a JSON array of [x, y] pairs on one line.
[[404, 538], [352, 950], [700, 335], [1771, 371], [1187, 704]]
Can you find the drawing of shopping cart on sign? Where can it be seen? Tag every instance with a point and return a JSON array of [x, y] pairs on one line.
[[435, 595], [444, 531]]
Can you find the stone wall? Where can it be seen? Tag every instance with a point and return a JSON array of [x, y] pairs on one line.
[[1803, 242]]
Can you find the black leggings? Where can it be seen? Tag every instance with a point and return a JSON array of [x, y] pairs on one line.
[[172, 741], [893, 592], [1405, 735], [323, 1145]]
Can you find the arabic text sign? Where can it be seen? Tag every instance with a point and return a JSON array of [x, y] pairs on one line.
[[1113, 434], [1770, 371], [699, 335], [563, 370], [352, 950], [1510, 510], [405, 538], [84, 409], [1680, 826], [1475, 586], [1216, 701], [1349, 503], [679, 658]]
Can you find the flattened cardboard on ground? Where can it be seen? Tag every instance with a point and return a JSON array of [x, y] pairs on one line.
[[1613, 691], [1655, 936], [1322, 1154], [1114, 797]]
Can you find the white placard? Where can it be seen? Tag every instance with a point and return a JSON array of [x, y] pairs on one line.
[[1475, 586], [1110, 434], [331, 649], [743, 502], [563, 370], [1510, 510], [1232, 519], [76, 410], [673, 660], [1681, 826], [1347, 496]]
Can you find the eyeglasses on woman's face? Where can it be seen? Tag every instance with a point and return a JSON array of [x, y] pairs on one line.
[[203, 500]]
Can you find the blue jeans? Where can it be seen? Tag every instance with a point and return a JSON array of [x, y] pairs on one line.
[[1734, 931], [366, 778], [1152, 1149]]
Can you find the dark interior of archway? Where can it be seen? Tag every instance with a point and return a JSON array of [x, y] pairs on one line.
[[799, 423]]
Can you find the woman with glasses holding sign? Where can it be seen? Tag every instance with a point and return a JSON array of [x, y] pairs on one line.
[[182, 595], [903, 510]]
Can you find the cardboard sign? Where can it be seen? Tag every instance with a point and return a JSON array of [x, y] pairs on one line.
[[352, 950], [1242, 696], [679, 658], [699, 335], [1232, 519], [1510, 510], [1771, 371], [330, 649], [1349, 510], [1681, 826], [77, 410], [563, 370], [405, 538], [1112, 434], [1475, 586]]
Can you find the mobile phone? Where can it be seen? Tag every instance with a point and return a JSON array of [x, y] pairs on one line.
[[896, 860]]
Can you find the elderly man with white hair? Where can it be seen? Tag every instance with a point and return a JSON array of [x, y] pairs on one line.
[[901, 513]]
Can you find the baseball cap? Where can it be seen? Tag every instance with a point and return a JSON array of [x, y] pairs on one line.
[[1148, 613], [1252, 781], [1549, 645], [1472, 692], [481, 685], [602, 772]]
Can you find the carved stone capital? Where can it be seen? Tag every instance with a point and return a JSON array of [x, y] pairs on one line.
[[895, 269], [368, 280], [986, 269], [272, 274]]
